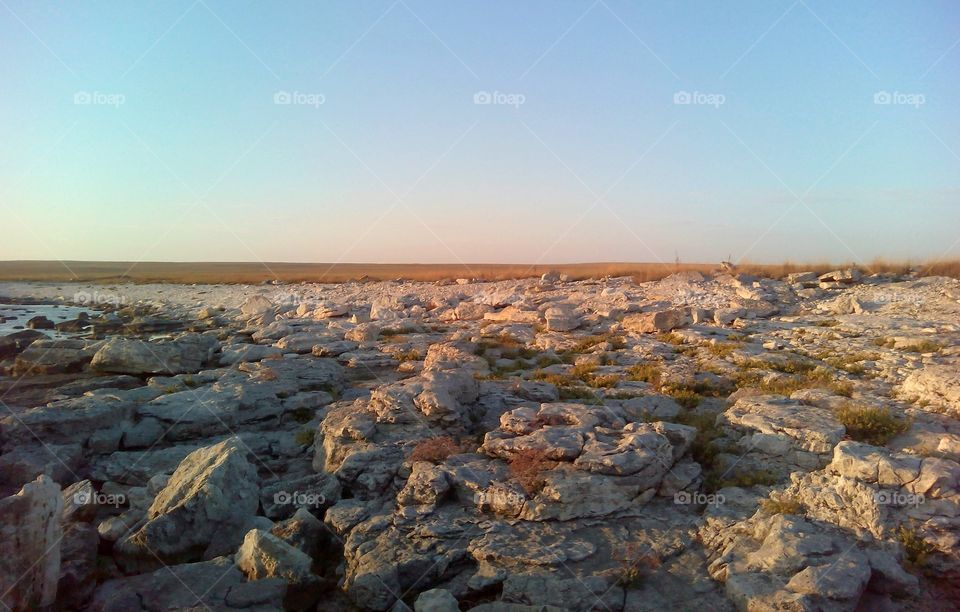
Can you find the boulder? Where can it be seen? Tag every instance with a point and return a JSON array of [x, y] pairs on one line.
[[847, 304], [210, 498], [137, 357], [561, 318], [255, 305], [773, 418], [30, 535], [211, 585], [263, 555], [12, 344], [653, 322], [847, 276], [39, 322], [52, 357], [937, 384], [248, 352], [436, 600], [78, 566]]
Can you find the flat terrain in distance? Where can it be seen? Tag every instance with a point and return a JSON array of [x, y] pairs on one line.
[[255, 272]]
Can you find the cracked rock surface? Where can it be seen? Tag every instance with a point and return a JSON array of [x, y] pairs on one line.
[[700, 442]]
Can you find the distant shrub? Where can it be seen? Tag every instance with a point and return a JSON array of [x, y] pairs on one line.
[[527, 468], [915, 547], [792, 366], [410, 355], [743, 478], [304, 437], [544, 361], [604, 381], [686, 396], [782, 504], [303, 414], [622, 395], [924, 346], [670, 338], [435, 450], [645, 372], [635, 566], [723, 349], [576, 393], [818, 378], [843, 388], [703, 449], [588, 342], [875, 426], [394, 333]]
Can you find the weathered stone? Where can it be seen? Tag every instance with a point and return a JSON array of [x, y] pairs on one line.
[[653, 322], [30, 535], [210, 496]]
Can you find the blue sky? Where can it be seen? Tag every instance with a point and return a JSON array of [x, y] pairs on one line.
[[152, 130]]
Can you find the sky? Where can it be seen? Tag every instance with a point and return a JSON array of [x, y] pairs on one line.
[[486, 131]]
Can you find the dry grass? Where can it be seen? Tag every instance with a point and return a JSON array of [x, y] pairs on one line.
[[527, 467], [435, 450], [252, 272], [916, 549], [635, 566], [782, 504], [875, 426]]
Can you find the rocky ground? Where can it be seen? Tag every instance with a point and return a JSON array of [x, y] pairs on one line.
[[698, 442]]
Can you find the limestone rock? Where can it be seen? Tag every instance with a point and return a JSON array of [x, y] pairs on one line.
[[255, 305], [30, 534], [216, 584], [653, 322], [137, 357], [211, 495], [263, 555], [436, 600]]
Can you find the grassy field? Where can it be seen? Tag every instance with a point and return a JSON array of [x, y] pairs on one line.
[[226, 272]]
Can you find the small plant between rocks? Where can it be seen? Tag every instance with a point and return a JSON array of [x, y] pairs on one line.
[[635, 567], [435, 450], [782, 503], [876, 426]]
